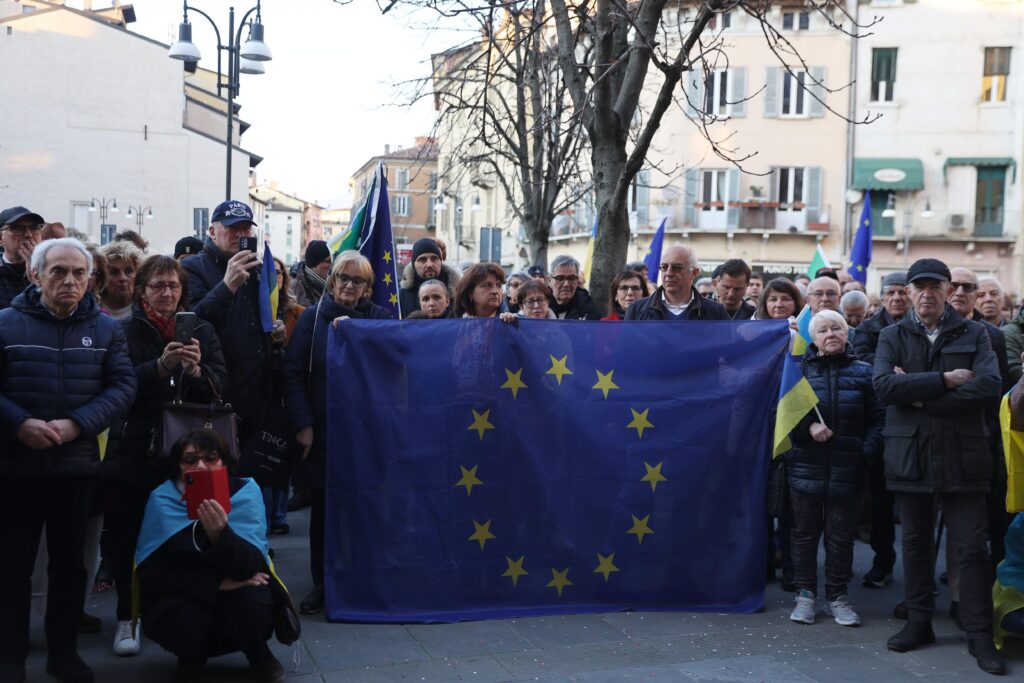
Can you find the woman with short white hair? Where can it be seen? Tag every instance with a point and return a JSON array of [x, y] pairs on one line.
[[826, 466]]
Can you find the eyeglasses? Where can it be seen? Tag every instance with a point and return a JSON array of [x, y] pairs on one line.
[[630, 288], [208, 458], [824, 295], [534, 303], [356, 282], [160, 286], [674, 267], [968, 286], [23, 230], [565, 278]]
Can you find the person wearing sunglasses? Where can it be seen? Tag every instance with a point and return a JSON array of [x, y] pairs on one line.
[[206, 587], [349, 288], [677, 298], [20, 232]]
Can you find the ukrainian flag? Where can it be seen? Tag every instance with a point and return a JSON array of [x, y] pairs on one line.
[[590, 254], [796, 397], [1013, 450], [268, 290]]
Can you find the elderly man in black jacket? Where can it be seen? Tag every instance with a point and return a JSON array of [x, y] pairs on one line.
[[65, 376], [20, 230], [572, 301], [677, 298], [937, 374], [223, 289]]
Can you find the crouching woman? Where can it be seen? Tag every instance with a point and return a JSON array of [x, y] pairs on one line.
[[205, 586]]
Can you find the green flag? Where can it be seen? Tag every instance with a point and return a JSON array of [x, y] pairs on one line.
[[819, 261], [349, 239]]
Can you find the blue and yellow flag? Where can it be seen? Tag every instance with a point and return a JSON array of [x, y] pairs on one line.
[[653, 258], [590, 254], [550, 468], [1013, 451], [860, 254], [796, 397], [268, 290]]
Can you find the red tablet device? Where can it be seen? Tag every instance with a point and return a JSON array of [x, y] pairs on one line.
[[203, 485]]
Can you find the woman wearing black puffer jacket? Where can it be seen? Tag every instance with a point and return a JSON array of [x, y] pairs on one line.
[[827, 465], [162, 367]]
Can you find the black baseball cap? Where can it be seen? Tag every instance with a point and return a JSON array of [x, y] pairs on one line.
[[16, 213], [231, 213], [187, 246], [928, 269], [535, 271]]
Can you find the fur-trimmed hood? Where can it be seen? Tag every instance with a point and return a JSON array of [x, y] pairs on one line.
[[449, 274]]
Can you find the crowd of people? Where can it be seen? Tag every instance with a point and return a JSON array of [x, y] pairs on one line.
[[908, 385]]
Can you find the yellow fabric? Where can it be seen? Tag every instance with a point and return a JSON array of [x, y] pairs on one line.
[[1013, 451], [101, 439], [1004, 600]]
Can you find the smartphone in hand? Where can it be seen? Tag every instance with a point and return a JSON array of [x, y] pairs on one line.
[[203, 485], [184, 327], [247, 243]]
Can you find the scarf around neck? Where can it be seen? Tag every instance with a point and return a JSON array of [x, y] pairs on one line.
[[163, 325], [315, 282]]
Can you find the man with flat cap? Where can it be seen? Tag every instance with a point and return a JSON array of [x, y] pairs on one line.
[[426, 264], [20, 232], [937, 373]]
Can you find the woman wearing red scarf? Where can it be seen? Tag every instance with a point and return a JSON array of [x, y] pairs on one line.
[[163, 368]]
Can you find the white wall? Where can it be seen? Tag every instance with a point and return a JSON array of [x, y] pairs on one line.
[[90, 110], [276, 224]]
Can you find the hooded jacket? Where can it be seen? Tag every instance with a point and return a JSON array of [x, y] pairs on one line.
[[13, 281], [409, 287], [77, 367], [653, 308], [936, 439]]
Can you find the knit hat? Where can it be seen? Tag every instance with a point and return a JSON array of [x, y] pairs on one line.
[[316, 253], [187, 246], [425, 245], [897, 278]]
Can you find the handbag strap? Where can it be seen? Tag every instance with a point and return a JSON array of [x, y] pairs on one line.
[[217, 399]]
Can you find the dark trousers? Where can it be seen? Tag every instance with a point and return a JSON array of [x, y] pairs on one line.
[[837, 517], [240, 620], [26, 504], [966, 518], [123, 522], [317, 513], [883, 525]]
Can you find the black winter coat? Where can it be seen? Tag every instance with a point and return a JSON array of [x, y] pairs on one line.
[[409, 287], [940, 444], [13, 281], [305, 383], [52, 369], [653, 308], [866, 340], [836, 468], [236, 320], [129, 447], [579, 307]]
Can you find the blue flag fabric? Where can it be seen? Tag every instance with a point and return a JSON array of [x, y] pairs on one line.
[[268, 290], [860, 255], [478, 469], [378, 246], [653, 258]]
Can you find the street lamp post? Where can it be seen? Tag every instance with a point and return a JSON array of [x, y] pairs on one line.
[[103, 205], [140, 215], [242, 58]]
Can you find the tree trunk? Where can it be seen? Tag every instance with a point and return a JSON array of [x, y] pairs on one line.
[[612, 241]]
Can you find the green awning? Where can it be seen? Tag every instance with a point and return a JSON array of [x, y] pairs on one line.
[[980, 161], [888, 174]]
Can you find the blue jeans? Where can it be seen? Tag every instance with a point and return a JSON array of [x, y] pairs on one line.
[[276, 502]]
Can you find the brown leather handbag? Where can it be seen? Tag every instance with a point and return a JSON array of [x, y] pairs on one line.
[[181, 417]]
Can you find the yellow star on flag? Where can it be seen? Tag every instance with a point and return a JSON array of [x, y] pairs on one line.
[[515, 569], [387, 257], [639, 528], [481, 423], [640, 422], [605, 383], [469, 479], [860, 269], [558, 368], [605, 565], [653, 475], [482, 533], [559, 580], [393, 298], [514, 382], [387, 278]]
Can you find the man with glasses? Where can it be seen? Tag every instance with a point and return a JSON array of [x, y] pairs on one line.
[[572, 302], [20, 232], [937, 374], [823, 294], [677, 298]]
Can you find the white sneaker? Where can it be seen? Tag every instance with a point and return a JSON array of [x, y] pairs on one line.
[[804, 611], [126, 639], [842, 611]]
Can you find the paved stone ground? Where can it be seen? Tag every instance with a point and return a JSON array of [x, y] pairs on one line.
[[629, 646]]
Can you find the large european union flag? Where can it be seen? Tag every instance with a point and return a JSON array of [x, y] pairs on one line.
[[478, 469]]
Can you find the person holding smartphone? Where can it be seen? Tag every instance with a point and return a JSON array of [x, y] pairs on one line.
[[175, 353]]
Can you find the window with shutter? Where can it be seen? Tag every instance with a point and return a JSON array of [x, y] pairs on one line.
[[716, 93], [996, 71], [883, 74], [794, 95]]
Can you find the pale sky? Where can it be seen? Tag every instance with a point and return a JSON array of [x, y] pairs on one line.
[[327, 101]]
